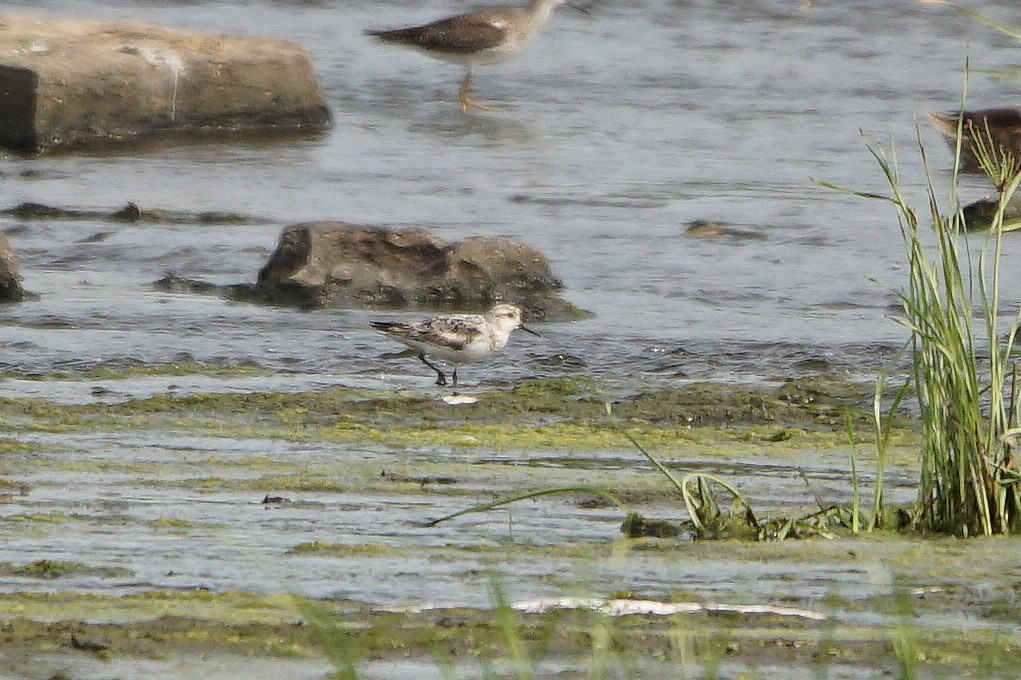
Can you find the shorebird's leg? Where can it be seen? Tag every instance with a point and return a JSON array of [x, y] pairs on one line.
[[465, 95], [440, 378], [455, 375]]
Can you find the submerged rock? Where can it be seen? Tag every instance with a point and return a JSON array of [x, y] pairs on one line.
[[707, 228], [10, 281], [69, 83], [979, 216], [130, 213], [712, 228], [337, 263]]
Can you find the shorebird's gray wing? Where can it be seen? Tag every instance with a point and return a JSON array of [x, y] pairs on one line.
[[454, 332], [463, 34]]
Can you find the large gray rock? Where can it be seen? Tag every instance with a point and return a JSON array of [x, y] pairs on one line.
[[68, 82], [10, 281], [337, 263]]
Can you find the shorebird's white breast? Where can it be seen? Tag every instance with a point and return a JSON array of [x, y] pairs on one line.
[[510, 47]]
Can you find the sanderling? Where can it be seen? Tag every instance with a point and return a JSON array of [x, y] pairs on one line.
[[457, 338]]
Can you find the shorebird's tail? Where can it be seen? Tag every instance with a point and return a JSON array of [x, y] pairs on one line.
[[392, 327], [396, 35]]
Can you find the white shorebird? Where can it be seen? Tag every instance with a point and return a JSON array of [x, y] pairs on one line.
[[457, 338], [488, 36]]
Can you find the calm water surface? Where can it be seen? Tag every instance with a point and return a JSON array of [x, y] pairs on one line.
[[617, 130]]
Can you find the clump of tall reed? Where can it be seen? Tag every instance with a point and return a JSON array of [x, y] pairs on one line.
[[963, 376], [962, 369]]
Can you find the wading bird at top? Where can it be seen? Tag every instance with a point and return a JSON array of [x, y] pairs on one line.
[[488, 36], [457, 338]]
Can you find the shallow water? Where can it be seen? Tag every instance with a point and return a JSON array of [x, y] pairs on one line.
[[618, 129], [188, 513]]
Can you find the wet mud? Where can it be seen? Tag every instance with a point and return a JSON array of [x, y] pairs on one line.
[[141, 531]]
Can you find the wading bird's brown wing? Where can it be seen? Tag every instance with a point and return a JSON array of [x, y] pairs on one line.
[[1002, 126], [1005, 119], [457, 35], [997, 121]]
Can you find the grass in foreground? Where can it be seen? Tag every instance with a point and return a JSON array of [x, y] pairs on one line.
[[964, 379]]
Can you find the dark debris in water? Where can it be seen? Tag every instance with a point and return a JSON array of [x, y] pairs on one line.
[[11, 487], [636, 526], [561, 360], [54, 569], [130, 213], [424, 480], [237, 292], [90, 646], [781, 435], [712, 228], [172, 283]]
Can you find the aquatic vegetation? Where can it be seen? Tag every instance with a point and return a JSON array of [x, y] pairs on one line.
[[54, 569], [588, 636], [538, 414], [130, 212], [129, 369], [556, 423], [963, 376], [706, 519], [328, 548]]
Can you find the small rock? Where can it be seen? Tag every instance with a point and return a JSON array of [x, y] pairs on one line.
[[343, 264], [707, 228], [10, 280]]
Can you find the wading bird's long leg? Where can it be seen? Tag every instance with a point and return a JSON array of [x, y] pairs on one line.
[[441, 379], [465, 95]]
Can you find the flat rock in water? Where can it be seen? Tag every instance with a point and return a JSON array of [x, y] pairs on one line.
[[74, 83], [10, 282], [343, 264]]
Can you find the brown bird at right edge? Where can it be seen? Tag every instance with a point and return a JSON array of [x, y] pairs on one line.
[[1001, 125]]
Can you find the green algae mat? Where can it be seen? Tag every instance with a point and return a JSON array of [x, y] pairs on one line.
[[169, 535]]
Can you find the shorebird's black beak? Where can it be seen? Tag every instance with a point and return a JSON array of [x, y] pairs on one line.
[[529, 330], [583, 10]]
